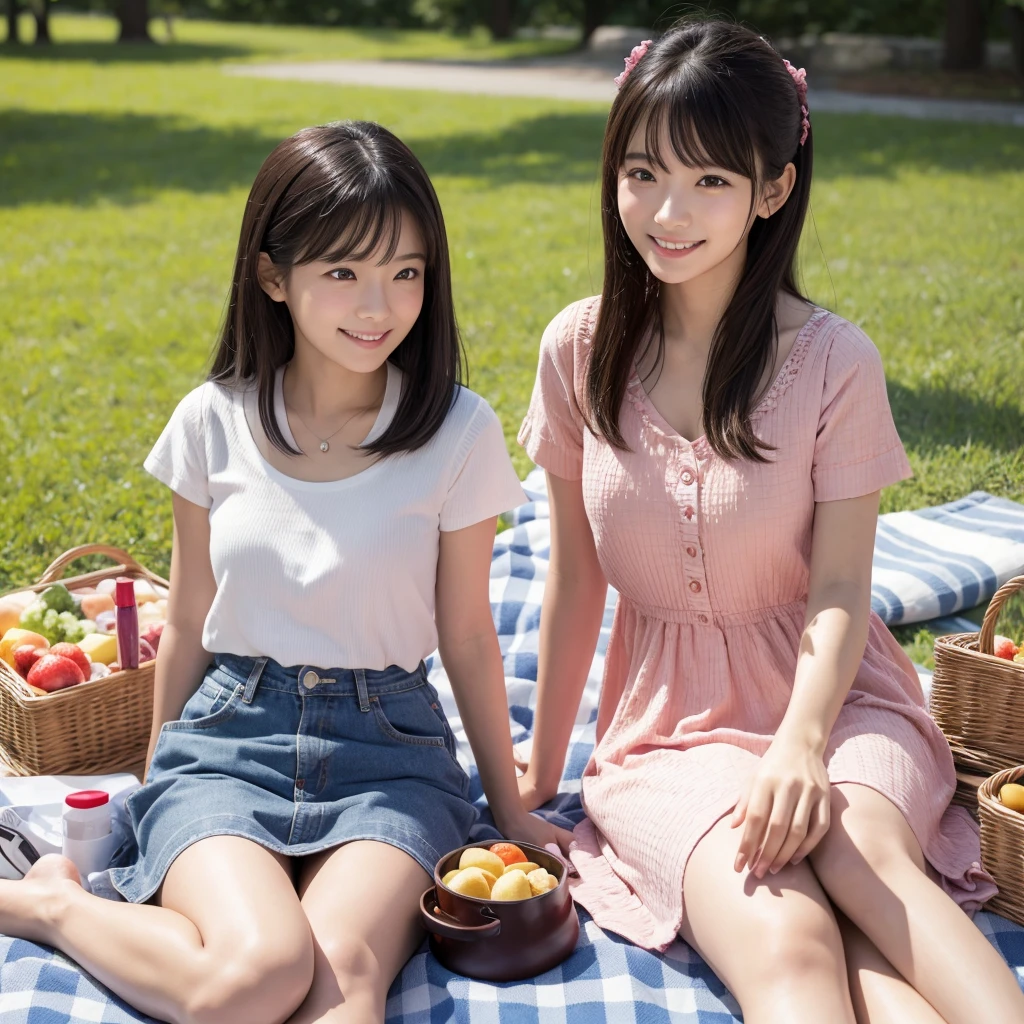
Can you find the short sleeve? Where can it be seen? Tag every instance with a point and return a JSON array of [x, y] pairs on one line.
[[484, 483], [552, 432], [178, 458], [857, 450]]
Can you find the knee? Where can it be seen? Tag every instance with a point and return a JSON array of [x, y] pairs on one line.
[[354, 966], [804, 951], [263, 985]]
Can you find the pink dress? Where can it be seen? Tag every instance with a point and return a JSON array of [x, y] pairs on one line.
[[711, 562]]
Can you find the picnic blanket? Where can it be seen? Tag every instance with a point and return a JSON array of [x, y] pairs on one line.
[[933, 562]]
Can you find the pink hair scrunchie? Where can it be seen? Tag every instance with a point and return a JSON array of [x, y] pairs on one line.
[[632, 60], [799, 76]]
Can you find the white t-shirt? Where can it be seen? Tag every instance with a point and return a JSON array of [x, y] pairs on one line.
[[338, 574]]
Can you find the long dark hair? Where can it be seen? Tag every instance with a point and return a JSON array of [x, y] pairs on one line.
[[724, 98], [334, 192]]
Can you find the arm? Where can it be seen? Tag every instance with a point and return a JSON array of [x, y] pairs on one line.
[[786, 810], [181, 660], [469, 649], [570, 620]]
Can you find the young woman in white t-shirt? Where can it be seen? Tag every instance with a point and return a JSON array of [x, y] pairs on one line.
[[335, 496]]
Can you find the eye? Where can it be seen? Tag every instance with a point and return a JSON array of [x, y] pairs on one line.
[[408, 274], [640, 174], [342, 274], [712, 181]]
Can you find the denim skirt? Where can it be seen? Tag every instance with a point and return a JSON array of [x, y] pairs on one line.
[[299, 760]]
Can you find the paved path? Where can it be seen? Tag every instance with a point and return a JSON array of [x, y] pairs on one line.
[[590, 80]]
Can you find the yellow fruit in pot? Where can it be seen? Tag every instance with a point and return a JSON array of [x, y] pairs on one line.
[[470, 882], [525, 866], [1011, 795], [478, 857], [512, 886], [100, 647], [449, 875], [540, 881], [15, 638]]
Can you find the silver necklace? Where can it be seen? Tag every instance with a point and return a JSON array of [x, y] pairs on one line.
[[324, 446]]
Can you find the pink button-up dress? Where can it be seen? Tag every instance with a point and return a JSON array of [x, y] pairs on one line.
[[711, 561]]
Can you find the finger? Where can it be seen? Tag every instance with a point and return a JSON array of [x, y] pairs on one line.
[[739, 812], [798, 829], [755, 822], [521, 762], [776, 833], [555, 851], [817, 831]]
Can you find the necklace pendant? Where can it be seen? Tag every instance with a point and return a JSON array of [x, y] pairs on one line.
[[324, 446]]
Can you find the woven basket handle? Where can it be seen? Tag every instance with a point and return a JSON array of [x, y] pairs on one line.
[[986, 642], [55, 570]]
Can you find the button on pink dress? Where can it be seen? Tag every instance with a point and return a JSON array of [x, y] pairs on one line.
[[711, 562]]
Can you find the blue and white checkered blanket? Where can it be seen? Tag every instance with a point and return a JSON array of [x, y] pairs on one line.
[[930, 563]]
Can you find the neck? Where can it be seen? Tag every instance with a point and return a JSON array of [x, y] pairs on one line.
[[321, 390], [692, 310]]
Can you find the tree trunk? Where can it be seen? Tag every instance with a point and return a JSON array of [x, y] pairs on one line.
[[965, 35], [41, 12], [134, 18], [501, 18], [1015, 24], [13, 10], [594, 13]]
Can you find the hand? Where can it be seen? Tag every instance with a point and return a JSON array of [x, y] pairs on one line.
[[532, 793], [528, 828], [785, 812]]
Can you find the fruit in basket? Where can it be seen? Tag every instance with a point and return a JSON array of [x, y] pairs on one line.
[[470, 882], [1019, 656], [11, 608], [478, 857], [59, 598], [146, 652], [55, 625], [508, 852], [525, 866], [52, 672], [1012, 795], [25, 657], [152, 636], [1004, 647], [94, 604], [540, 881], [101, 647], [16, 638], [76, 654], [513, 886]]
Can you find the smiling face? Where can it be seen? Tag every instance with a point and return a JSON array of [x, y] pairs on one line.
[[353, 312], [687, 221]]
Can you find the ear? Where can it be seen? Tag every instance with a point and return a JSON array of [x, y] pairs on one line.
[[271, 278], [777, 192]]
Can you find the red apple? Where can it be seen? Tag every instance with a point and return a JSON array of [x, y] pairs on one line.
[[1004, 647], [25, 657], [152, 636], [52, 672], [75, 654]]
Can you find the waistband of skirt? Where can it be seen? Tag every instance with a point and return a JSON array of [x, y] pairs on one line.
[[712, 618], [341, 682]]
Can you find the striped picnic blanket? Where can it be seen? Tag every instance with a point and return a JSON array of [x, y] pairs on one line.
[[933, 562]]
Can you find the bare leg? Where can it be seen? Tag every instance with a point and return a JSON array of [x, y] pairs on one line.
[[229, 942], [774, 943], [880, 995], [362, 901], [871, 865]]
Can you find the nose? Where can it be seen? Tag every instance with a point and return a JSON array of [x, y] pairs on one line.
[[373, 303], [674, 211]]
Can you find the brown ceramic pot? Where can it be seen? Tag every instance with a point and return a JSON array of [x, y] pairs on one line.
[[500, 940]]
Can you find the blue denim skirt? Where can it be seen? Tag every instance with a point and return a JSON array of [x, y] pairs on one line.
[[299, 760]]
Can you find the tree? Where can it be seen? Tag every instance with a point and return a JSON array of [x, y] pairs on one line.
[[41, 12], [966, 28], [501, 18], [134, 18], [13, 10], [594, 14]]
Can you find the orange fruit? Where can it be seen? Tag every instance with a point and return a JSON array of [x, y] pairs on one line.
[[16, 638], [509, 853]]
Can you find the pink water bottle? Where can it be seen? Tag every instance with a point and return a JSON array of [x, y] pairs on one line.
[[127, 623]]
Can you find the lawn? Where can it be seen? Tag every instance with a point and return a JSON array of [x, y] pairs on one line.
[[123, 172]]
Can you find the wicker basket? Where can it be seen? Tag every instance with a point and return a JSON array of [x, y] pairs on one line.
[[1002, 845], [977, 698], [90, 729]]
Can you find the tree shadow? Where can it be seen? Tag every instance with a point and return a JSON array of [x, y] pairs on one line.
[[124, 53], [125, 158], [933, 418]]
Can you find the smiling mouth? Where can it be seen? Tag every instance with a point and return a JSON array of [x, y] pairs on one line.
[[365, 339], [666, 246]]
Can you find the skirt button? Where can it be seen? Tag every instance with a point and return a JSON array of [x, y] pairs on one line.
[[310, 679]]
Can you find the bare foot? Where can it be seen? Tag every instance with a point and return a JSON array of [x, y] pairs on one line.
[[29, 907]]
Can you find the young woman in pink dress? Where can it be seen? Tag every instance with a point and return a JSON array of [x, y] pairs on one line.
[[766, 782]]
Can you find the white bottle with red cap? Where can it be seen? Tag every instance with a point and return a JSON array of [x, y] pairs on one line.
[[87, 839]]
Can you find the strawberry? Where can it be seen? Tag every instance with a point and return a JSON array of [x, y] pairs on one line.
[[1004, 647], [75, 654], [25, 657], [152, 636], [52, 672]]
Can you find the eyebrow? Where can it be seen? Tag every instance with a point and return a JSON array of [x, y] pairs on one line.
[[638, 156], [411, 256]]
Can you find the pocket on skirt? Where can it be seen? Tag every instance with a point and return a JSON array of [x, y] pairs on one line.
[[407, 718], [211, 704]]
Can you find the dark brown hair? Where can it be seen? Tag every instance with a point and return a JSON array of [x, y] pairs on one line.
[[333, 192], [723, 97]]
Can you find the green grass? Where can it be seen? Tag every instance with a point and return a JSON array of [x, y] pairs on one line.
[[123, 172]]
